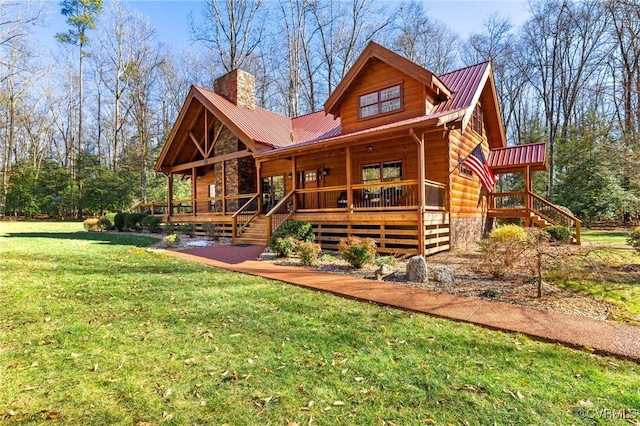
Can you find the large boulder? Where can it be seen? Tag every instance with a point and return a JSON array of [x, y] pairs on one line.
[[443, 274], [417, 271]]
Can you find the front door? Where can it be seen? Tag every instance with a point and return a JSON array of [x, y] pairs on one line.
[[310, 181]]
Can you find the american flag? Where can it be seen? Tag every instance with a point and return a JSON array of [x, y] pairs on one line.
[[477, 162]]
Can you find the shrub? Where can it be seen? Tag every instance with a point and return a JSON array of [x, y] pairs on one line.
[[92, 224], [171, 240], [187, 229], [152, 223], [308, 251], [111, 217], [386, 260], [105, 224], [283, 247], [357, 251], [213, 231], [298, 229], [133, 221], [634, 239], [118, 221], [559, 233], [502, 249], [168, 227]]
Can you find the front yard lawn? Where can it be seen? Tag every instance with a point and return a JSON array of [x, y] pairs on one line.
[[95, 330]]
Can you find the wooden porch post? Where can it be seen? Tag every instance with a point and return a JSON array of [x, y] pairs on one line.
[[194, 195], [224, 189], [348, 172], [527, 198], [294, 182], [259, 185], [421, 189], [170, 196]]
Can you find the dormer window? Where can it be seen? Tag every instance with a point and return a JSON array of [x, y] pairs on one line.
[[477, 121], [381, 102]]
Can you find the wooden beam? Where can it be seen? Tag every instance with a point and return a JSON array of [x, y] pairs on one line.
[[170, 196], [215, 140], [207, 161], [347, 152], [224, 189], [421, 189], [194, 195], [206, 132], [184, 141], [197, 144]]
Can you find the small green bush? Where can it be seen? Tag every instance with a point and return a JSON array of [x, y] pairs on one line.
[[151, 223], [634, 239], [283, 247], [357, 251], [213, 231], [386, 260], [111, 217], [171, 240], [502, 249], [118, 221], [559, 233], [298, 229], [92, 224], [133, 221], [168, 227], [187, 229], [308, 251], [105, 224]]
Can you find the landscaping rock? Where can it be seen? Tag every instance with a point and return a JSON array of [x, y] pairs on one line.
[[444, 275], [384, 271], [417, 270]]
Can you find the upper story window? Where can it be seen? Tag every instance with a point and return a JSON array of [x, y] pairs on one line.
[[477, 121], [381, 102]]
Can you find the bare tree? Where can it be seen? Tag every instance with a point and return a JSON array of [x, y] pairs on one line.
[[231, 29]]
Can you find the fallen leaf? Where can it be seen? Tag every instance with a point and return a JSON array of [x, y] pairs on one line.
[[338, 403], [166, 393], [141, 423], [359, 379], [95, 367]]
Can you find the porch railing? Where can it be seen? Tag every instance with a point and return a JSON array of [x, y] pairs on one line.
[[281, 212], [527, 204], [399, 195], [210, 205], [159, 208], [245, 214]]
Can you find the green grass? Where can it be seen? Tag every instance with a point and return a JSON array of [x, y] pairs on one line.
[[94, 330], [604, 237]]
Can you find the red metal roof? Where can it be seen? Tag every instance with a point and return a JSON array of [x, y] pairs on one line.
[[317, 125], [514, 158], [464, 85]]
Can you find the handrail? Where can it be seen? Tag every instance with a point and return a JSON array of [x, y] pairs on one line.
[[385, 184], [556, 208], [323, 189], [246, 217], [275, 217]]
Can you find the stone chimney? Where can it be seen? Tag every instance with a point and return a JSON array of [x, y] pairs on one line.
[[238, 87]]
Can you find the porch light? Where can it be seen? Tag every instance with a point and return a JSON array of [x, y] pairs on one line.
[[290, 176], [325, 172], [370, 149]]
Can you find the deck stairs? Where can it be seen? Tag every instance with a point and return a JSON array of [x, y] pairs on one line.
[[541, 221], [254, 232]]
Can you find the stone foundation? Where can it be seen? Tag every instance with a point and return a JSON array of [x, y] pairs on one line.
[[468, 231]]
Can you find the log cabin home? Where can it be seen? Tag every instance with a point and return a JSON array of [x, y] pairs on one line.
[[384, 159]]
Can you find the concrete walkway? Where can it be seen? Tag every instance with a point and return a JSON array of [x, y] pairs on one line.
[[592, 335]]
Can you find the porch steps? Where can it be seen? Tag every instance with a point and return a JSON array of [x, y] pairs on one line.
[[541, 222], [254, 233]]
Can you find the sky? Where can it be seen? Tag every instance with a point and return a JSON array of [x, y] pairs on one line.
[[169, 17]]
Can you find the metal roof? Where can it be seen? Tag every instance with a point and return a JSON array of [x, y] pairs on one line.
[[464, 85], [515, 158], [317, 125]]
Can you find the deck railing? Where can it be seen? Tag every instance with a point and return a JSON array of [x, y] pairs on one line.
[[526, 204], [245, 214], [399, 195], [281, 212], [159, 208]]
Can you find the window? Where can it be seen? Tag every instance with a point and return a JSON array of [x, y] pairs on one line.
[[381, 102], [391, 172], [477, 121]]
